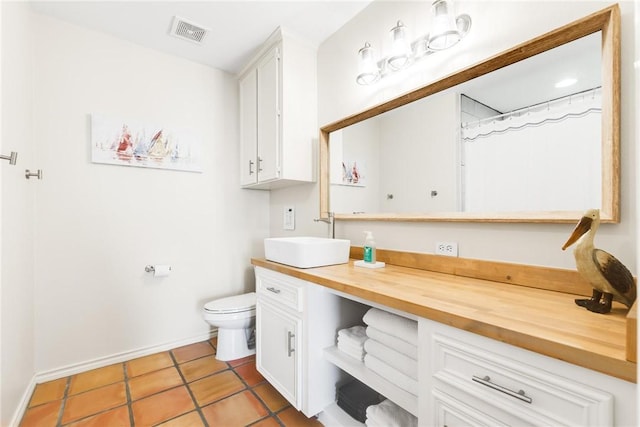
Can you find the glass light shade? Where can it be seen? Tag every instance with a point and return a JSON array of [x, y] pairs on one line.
[[444, 30], [400, 50], [368, 71], [463, 22]]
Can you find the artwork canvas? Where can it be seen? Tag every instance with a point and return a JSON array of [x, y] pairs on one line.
[[353, 173], [124, 142]]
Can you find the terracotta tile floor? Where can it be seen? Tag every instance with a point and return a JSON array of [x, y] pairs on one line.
[[183, 387]]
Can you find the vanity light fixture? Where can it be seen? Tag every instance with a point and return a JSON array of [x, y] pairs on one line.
[[447, 30]]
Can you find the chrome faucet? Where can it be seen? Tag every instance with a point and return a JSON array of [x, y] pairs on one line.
[[331, 221]]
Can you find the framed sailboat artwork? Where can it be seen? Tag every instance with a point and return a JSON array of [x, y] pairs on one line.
[[122, 142]]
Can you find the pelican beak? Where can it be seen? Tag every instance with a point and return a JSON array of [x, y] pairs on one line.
[[583, 226]]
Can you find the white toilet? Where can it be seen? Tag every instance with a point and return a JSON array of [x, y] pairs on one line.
[[235, 319]]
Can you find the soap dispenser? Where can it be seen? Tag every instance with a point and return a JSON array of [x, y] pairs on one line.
[[369, 248]]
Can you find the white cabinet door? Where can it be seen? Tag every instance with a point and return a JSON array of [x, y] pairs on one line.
[[278, 119], [249, 128], [268, 116], [278, 350]]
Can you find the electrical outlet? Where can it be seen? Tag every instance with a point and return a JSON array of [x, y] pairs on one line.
[[447, 248], [289, 220]]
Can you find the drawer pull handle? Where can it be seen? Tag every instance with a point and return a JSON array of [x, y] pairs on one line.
[[274, 290], [290, 349], [517, 394]]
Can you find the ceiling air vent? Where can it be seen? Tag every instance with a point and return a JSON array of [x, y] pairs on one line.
[[186, 30]]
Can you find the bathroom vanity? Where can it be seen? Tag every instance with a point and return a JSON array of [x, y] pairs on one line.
[[499, 344]]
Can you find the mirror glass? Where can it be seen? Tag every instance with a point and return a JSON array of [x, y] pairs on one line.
[[528, 142]]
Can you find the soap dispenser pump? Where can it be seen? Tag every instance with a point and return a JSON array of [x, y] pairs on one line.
[[369, 248]]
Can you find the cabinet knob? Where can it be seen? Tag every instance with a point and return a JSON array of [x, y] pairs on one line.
[[250, 167], [274, 290], [259, 164]]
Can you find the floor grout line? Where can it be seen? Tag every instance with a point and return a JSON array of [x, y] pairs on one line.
[[186, 385], [64, 401], [132, 421]]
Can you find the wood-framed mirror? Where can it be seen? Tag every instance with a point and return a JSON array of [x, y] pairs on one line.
[[460, 199]]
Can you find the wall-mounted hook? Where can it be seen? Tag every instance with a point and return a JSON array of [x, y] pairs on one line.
[[12, 158], [28, 174]]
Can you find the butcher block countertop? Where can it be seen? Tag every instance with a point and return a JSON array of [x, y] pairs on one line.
[[526, 306]]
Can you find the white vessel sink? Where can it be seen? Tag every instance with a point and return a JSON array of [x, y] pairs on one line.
[[307, 252]]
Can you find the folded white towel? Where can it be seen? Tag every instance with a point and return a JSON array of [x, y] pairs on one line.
[[356, 354], [348, 344], [393, 358], [398, 326], [388, 414], [370, 422], [391, 374], [355, 334], [402, 346]]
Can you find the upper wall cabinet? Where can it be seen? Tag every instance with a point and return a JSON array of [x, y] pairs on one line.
[[278, 124]]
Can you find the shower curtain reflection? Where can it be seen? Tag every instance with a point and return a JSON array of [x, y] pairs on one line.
[[506, 161]]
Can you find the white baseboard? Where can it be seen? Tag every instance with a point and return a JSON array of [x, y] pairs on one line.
[[100, 362], [22, 405]]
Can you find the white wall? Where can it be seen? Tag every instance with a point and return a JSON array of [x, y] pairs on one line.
[[496, 27], [17, 215], [359, 143], [97, 225], [420, 155]]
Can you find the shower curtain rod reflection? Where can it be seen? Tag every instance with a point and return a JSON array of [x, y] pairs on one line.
[[521, 112], [533, 124]]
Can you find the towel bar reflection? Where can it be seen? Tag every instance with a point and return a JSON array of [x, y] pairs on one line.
[[12, 157], [28, 174]]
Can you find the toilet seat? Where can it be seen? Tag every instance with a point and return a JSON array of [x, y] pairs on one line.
[[234, 304]]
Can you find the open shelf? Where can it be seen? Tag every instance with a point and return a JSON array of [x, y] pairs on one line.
[[358, 370]]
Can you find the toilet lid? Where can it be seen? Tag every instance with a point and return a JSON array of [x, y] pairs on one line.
[[234, 304]]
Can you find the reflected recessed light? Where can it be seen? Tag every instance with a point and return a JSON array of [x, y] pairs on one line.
[[566, 82]]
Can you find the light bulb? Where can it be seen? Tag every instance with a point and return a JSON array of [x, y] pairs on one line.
[[400, 50]]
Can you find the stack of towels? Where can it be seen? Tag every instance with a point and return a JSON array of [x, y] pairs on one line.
[[391, 348], [388, 414], [351, 341]]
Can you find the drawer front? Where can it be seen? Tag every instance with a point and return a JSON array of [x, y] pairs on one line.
[[280, 289], [450, 412], [528, 393]]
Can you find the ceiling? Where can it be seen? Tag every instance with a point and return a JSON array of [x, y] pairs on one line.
[[237, 28], [533, 80]]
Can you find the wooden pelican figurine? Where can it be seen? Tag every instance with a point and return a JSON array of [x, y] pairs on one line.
[[610, 279]]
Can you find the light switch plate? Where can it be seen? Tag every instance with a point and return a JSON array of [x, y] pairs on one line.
[[289, 222]]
